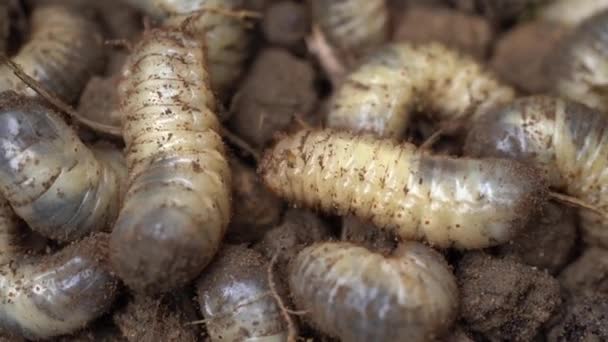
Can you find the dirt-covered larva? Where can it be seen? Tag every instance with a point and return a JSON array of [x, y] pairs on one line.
[[234, 297], [448, 202], [352, 26], [178, 204], [46, 296], [50, 178], [64, 50], [564, 140], [579, 69], [227, 37], [570, 13], [353, 294], [396, 80]]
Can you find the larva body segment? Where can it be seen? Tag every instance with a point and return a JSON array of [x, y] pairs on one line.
[[352, 26], [178, 203], [234, 297], [64, 50], [356, 295], [380, 95], [448, 202], [579, 70], [227, 38], [567, 141], [50, 178], [52, 295]]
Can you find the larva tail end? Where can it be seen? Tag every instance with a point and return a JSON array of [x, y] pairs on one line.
[[160, 250]]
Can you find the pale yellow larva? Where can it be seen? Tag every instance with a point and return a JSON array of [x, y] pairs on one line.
[[178, 203], [399, 79], [448, 202]]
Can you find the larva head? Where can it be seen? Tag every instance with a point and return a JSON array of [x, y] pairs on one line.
[[522, 130], [356, 295]]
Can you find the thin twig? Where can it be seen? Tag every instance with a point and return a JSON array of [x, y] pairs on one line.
[[56, 102], [430, 141], [241, 144], [300, 122], [291, 329], [332, 65], [577, 203]]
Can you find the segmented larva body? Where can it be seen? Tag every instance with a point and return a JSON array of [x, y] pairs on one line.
[[380, 95], [579, 70], [234, 297], [178, 205], [65, 48], [563, 139], [46, 296], [49, 177], [571, 13], [227, 38], [353, 294], [449, 202], [352, 26]]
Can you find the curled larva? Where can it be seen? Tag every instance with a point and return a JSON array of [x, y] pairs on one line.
[[177, 206], [563, 139], [571, 13], [46, 296], [352, 26], [579, 69], [234, 296], [353, 294], [64, 50], [396, 80], [226, 36], [49, 177], [448, 202]]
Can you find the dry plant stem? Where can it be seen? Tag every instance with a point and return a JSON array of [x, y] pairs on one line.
[[331, 64], [178, 205], [241, 144], [292, 332], [432, 139], [381, 94], [51, 295], [51, 179], [449, 202], [57, 102], [576, 203], [566, 141]]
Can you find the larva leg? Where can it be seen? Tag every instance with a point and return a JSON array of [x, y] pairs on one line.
[[567, 141], [234, 296], [227, 38], [353, 294], [52, 295], [448, 202], [64, 50], [380, 95], [178, 206], [50, 178], [352, 26], [579, 68]]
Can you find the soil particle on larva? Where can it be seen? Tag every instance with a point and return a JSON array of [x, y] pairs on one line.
[[277, 88], [521, 55], [153, 319], [424, 24], [505, 300]]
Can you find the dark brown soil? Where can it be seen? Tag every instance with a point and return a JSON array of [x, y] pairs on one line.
[[278, 87], [286, 23], [583, 318], [99, 101], [588, 273], [366, 234], [505, 300]]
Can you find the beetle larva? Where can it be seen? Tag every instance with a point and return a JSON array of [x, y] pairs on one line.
[[565, 140], [178, 205], [64, 50], [227, 38], [49, 177], [234, 298], [50, 295], [352, 26], [579, 69], [356, 295], [380, 95], [449, 202]]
